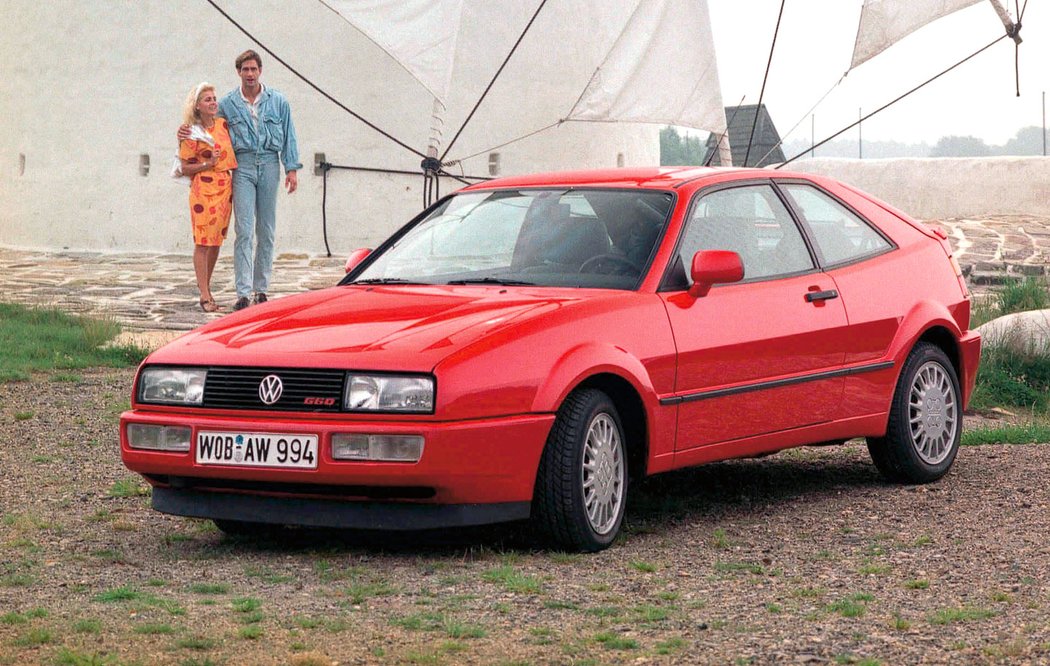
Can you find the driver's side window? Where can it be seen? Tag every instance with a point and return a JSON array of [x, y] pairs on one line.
[[751, 221]]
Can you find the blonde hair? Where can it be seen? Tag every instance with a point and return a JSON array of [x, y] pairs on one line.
[[189, 109]]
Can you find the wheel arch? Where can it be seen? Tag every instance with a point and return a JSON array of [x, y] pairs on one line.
[[632, 414], [943, 338], [624, 379], [929, 322]]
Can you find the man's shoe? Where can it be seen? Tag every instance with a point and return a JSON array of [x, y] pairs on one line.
[[260, 298], [241, 303]]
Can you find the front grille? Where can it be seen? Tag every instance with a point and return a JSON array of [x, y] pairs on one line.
[[305, 390]]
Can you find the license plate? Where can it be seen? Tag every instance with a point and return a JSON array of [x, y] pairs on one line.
[[257, 449]]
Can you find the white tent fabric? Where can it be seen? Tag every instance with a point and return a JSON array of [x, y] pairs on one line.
[[884, 22], [419, 34], [631, 81], [635, 83]]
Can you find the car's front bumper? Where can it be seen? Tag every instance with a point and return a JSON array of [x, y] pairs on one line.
[[332, 513], [470, 472]]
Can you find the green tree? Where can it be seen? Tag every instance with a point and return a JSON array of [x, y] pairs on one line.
[[678, 150], [960, 146], [1027, 141]]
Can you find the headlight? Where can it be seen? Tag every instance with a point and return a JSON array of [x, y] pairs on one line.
[[389, 393], [159, 438], [172, 386], [385, 448]]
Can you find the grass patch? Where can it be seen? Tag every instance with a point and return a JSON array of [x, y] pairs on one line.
[[87, 626], [670, 646], [34, 637], [22, 618], [250, 633], [200, 643], [965, 614], [246, 604], [67, 657], [919, 584], [731, 567], [513, 580], [457, 629], [143, 600], [854, 606], [648, 613], [1023, 433], [612, 641], [209, 588], [129, 487], [118, 594], [48, 340], [1013, 373], [1029, 293], [360, 592]]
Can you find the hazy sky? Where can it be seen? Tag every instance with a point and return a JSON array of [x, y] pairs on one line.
[[815, 46]]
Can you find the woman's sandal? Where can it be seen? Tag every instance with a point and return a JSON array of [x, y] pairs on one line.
[[209, 305]]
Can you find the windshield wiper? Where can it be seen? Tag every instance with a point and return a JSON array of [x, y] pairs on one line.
[[493, 280], [387, 281]]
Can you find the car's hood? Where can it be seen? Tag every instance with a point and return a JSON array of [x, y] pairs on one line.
[[363, 327]]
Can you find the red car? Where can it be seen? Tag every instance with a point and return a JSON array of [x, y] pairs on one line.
[[528, 346]]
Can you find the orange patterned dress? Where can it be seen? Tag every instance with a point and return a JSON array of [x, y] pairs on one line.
[[211, 192]]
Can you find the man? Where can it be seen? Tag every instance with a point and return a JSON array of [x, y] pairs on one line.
[[263, 137]]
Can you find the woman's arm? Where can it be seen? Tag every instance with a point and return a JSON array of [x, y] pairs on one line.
[[190, 169]]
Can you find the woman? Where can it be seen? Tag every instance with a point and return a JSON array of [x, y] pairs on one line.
[[207, 157]]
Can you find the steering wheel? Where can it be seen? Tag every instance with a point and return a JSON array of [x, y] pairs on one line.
[[600, 259]]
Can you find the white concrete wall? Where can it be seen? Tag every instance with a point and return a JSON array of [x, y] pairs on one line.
[[87, 87], [931, 188]]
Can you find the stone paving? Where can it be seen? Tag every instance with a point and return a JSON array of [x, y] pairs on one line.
[[994, 249], [143, 291], [158, 292]]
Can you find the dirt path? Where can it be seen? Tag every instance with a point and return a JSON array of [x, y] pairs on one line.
[[803, 557]]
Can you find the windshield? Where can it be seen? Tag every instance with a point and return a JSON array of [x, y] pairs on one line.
[[556, 238]]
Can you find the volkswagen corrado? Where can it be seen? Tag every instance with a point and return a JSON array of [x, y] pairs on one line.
[[528, 347]]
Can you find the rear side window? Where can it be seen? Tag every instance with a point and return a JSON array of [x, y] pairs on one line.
[[751, 221], [840, 235]]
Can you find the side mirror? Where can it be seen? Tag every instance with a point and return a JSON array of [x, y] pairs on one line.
[[356, 257], [711, 267]]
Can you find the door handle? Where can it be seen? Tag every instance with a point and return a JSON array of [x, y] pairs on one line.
[[821, 295]]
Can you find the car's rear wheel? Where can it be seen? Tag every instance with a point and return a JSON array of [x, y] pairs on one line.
[[925, 426], [581, 486]]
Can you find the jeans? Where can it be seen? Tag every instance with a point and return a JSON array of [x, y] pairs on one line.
[[255, 183]]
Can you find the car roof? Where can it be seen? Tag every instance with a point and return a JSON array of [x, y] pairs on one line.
[[667, 177]]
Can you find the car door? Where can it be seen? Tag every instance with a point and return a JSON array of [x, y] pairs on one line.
[[761, 355], [873, 291]]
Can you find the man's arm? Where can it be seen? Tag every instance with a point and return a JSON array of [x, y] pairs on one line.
[[290, 150]]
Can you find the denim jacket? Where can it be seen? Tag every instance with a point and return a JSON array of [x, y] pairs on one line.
[[275, 133]]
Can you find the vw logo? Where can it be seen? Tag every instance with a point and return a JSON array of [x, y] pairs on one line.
[[270, 389]]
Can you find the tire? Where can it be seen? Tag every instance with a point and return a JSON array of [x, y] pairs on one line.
[[581, 485], [925, 425]]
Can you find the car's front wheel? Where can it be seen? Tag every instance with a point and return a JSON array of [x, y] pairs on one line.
[[925, 426], [581, 486]]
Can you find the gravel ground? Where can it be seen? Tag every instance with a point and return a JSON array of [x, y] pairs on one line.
[[806, 557]]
